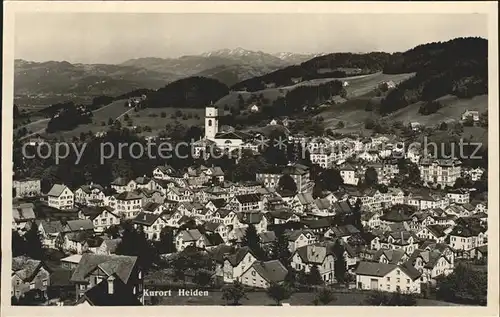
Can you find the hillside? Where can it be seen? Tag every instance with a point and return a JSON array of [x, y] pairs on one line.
[[325, 66], [458, 67], [52, 82], [191, 92], [62, 81]]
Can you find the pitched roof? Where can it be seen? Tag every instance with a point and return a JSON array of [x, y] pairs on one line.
[[396, 215], [248, 198], [271, 271], [79, 224], [51, 227], [56, 190], [305, 198], [89, 188], [191, 235], [128, 196], [392, 255], [313, 254], [146, 218], [374, 268], [219, 203], [23, 212], [120, 181], [249, 217], [122, 265], [121, 294], [267, 236], [25, 267], [150, 206], [238, 256]]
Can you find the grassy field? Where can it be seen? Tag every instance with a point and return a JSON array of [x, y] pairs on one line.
[[358, 85], [113, 110], [261, 299], [452, 109], [152, 117]]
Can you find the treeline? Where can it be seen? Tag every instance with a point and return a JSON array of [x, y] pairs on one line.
[[299, 100], [191, 92], [336, 65], [458, 67], [69, 117]]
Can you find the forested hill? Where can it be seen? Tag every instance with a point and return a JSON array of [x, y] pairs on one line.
[[336, 65], [458, 67], [191, 92]]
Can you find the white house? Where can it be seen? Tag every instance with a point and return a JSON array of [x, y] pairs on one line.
[[387, 277], [61, 197]]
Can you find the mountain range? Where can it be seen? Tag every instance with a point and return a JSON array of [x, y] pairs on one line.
[[54, 79]]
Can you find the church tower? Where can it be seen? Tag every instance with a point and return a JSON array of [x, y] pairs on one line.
[[211, 122]]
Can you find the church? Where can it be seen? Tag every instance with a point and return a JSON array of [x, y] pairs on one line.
[[226, 140]]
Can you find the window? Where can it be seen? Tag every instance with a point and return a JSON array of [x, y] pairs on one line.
[[398, 272], [397, 280], [45, 283], [32, 286], [408, 280], [83, 287], [388, 279]]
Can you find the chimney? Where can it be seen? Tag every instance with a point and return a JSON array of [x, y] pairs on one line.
[[111, 284]]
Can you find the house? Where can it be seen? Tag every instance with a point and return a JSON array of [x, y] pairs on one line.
[[92, 194], [281, 216], [28, 187], [94, 268], [48, 232], [152, 224], [434, 232], [443, 172], [74, 241], [401, 239], [387, 277], [128, 204], [459, 196], [299, 173], [101, 217], [61, 197], [108, 246], [470, 114], [391, 256], [121, 185], [341, 232], [349, 175], [370, 220], [431, 264], [244, 219], [192, 237], [163, 172], [71, 262], [110, 291], [467, 236], [261, 274], [234, 264], [321, 256], [27, 275], [23, 215], [479, 253], [300, 238], [247, 202]]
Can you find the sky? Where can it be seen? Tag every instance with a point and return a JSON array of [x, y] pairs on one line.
[[113, 38]]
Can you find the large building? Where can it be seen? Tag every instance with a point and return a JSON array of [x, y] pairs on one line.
[[440, 172]]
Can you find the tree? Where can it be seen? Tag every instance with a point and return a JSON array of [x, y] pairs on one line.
[[465, 285], [135, 243], [286, 182], [324, 296], [233, 293], [110, 121], [469, 122], [314, 277], [278, 292], [279, 249], [203, 277], [443, 126], [33, 243], [340, 265], [331, 179], [112, 231], [252, 240], [18, 244], [166, 243], [340, 125], [371, 176]]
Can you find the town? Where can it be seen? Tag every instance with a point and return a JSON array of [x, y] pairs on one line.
[[317, 219]]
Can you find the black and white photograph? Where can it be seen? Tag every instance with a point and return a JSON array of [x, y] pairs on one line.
[[246, 157]]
